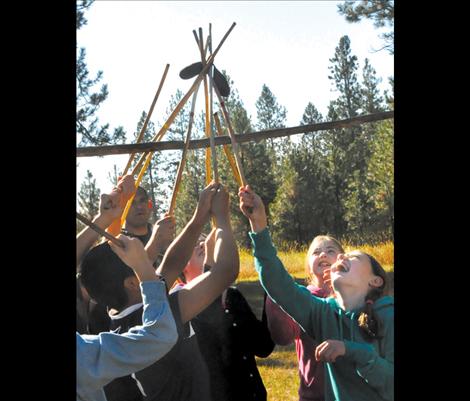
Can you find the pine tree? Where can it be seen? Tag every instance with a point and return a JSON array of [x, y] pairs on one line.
[[372, 101], [343, 69], [89, 196], [270, 114], [89, 98], [381, 12]]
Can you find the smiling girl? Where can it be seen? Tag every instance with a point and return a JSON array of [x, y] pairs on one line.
[[355, 328]]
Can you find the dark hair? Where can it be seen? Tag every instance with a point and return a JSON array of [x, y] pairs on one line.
[[142, 190], [369, 322], [103, 274]]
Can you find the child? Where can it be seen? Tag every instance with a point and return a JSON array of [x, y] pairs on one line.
[[101, 358], [229, 335], [355, 328], [284, 330], [181, 374]]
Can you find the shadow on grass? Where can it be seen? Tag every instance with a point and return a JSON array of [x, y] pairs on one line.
[[254, 294], [282, 357]]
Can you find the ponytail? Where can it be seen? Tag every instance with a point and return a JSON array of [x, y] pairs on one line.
[[369, 323]]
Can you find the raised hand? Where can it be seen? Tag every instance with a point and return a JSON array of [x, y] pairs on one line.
[[163, 234], [201, 214], [252, 207], [220, 204], [134, 255], [165, 230]]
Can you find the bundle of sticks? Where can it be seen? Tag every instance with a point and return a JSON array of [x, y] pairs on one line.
[[212, 80]]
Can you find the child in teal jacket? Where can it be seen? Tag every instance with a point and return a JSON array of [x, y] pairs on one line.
[[355, 328]]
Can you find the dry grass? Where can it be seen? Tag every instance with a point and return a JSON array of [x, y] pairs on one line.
[[280, 374], [294, 261]]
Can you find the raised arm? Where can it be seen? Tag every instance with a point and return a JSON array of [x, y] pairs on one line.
[[295, 299], [106, 356], [180, 250], [209, 245], [204, 289], [163, 234], [109, 210]]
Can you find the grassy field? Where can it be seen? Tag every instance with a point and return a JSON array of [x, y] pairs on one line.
[[280, 370]]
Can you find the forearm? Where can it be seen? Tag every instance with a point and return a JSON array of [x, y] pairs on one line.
[[226, 256], [294, 299], [204, 289], [87, 237], [180, 250], [155, 247]]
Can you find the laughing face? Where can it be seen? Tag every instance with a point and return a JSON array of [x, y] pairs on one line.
[[322, 256], [353, 269]]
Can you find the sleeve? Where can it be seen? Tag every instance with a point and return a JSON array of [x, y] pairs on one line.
[[377, 370], [296, 300], [284, 330], [110, 355]]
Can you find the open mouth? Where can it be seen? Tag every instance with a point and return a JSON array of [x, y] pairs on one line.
[[324, 265], [341, 267]]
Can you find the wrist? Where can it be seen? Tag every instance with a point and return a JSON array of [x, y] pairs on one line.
[[199, 218], [102, 221], [258, 225]]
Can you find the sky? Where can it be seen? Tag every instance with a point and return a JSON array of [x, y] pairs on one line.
[[283, 44]]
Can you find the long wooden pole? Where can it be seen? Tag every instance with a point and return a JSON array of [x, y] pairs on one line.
[[211, 120], [229, 155], [185, 98], [147, 119], [231, 134], [93, 226], [92, 151], [182, 163], [200, 44]]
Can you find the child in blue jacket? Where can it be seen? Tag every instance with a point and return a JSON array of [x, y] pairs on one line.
[[104, 357]]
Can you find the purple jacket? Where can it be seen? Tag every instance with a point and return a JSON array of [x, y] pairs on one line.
[[284, 330]]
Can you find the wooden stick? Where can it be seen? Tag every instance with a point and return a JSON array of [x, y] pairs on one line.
[[200, 44], [231, 134], [92, 151], [229, 155], [93, 226], [210, 154], [211, 110], [182, 102], [159, 135], [182, 164], [149, 114]]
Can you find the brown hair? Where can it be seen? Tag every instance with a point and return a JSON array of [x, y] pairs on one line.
[[369, 322], [311, 278]]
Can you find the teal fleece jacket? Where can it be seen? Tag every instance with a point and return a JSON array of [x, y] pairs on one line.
[[365, 372]]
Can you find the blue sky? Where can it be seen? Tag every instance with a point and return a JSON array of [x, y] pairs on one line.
[[283, 44]]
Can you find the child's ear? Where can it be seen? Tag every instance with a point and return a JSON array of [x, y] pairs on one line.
[[131, 283], [376, 282]]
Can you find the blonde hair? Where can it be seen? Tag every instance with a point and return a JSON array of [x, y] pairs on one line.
[[311, 278]]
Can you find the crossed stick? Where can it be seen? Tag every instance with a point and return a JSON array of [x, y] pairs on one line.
[[93, 226], [148, 155]]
